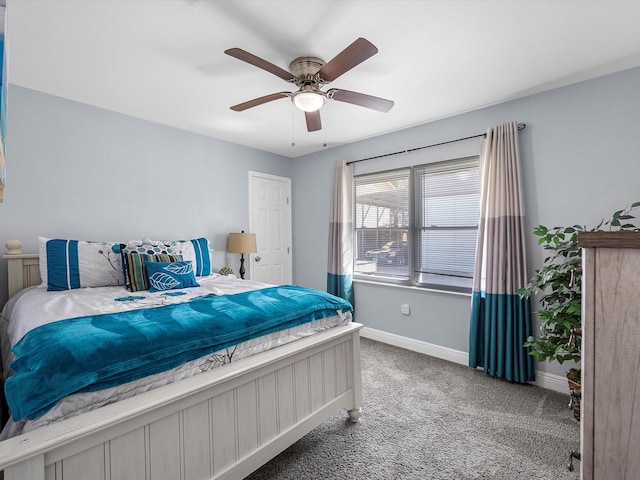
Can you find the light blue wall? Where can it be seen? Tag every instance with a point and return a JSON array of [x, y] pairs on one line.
[[580, 156], [78, 171]]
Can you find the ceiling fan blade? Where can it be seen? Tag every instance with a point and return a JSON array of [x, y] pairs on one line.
[[355, 98], [313, 121], [259, 101], [351, 56], [260, 63]]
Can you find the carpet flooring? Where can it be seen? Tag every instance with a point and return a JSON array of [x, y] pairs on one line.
[[426, 418]]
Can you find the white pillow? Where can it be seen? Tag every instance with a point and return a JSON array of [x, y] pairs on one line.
[[68, 264]]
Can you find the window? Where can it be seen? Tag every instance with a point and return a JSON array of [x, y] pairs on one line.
[[418, 225], [382, 224]]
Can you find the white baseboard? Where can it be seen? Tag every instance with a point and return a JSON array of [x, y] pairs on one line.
[[551, 381], [546, 380]]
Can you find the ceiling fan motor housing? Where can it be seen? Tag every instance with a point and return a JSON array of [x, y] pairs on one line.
[[306, 66]]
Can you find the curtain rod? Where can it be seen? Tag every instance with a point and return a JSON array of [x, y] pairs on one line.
[[521, 126]]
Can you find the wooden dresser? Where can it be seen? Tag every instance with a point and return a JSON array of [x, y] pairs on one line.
[[610, 408]]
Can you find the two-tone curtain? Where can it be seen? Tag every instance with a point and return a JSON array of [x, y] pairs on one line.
[[340, 264], [500, 319]]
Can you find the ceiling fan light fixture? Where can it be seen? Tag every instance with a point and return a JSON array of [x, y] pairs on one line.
[[308, 101]]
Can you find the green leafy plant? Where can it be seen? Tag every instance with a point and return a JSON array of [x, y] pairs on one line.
[[225, 271], [559, 282]]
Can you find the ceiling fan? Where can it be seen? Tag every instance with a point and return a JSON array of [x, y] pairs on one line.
[[310, 74]]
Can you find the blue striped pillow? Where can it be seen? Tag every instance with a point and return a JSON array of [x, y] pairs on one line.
[[67, 264], [202, 261]]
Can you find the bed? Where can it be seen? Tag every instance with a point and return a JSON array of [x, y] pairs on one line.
[[220, 423]]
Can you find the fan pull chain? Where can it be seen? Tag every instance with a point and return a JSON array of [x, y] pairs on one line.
[[293, 122]]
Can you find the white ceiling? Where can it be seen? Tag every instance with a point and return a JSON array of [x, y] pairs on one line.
[[163, 60]]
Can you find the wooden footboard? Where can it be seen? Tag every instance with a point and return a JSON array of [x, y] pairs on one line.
[[221, 424]]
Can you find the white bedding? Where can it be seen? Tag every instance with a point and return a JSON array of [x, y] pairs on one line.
[[36, 306]]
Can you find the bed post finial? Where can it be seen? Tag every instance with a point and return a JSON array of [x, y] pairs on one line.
[[13, 247]]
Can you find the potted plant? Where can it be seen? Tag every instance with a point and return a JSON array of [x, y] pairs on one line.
[[559, 283], [225, 271]]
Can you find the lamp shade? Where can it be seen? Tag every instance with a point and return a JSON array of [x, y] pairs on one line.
[[242, 243]]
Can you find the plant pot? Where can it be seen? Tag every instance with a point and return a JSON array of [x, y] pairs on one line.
[[575, 391]]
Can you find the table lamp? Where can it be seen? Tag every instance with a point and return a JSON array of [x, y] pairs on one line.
[[242, 243]]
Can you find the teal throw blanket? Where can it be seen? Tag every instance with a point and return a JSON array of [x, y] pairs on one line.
[[100, 351]]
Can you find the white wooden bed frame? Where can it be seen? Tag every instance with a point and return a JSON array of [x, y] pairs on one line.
[[221, 424]]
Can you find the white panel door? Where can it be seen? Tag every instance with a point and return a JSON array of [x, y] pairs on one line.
[[270, 220]]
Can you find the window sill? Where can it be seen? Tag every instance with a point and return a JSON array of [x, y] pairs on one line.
[[415, 288]]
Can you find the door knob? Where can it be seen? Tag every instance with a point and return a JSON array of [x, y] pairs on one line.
[[258, 258]]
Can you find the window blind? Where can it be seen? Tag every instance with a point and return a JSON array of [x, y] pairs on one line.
[[447, 200]]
